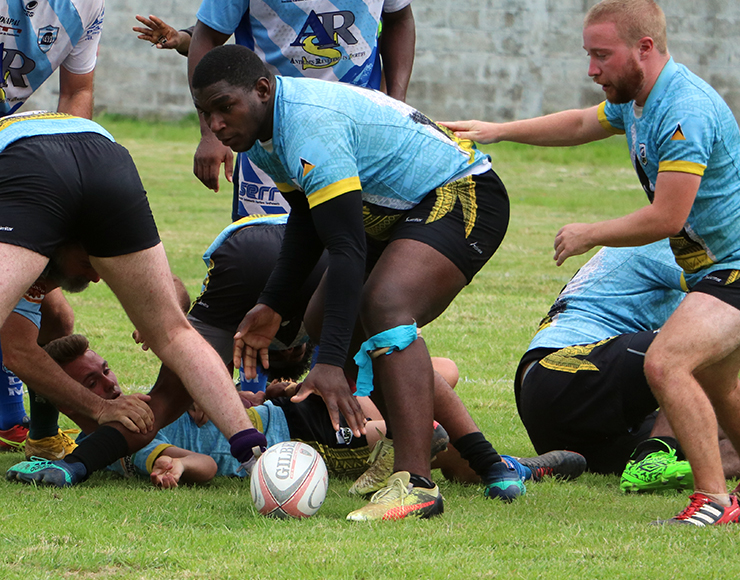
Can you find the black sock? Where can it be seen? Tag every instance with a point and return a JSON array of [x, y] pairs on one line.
[[44, 417], [419, 481], [99, 449], [477, 451]]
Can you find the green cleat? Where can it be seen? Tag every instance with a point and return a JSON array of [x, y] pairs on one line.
[[658, 471], [52, 473]]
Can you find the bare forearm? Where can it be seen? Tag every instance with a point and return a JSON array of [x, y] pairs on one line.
[[566, 128], [41, 374], [75, 93], [397, 47]]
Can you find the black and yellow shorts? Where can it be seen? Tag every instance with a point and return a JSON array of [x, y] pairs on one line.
[[465, 221], [722, 284], [308, 421], [593, 399]]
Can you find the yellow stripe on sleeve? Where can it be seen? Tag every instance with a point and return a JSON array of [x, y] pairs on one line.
[[682, 167], [154, 455], [334, 190], [604, 122]]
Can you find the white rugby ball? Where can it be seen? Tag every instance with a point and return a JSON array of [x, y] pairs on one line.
[[289, 480]]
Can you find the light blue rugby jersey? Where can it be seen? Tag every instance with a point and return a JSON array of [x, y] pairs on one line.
[[618, 291], [34, 123], [685, 126], [208, 440], [332, 138]]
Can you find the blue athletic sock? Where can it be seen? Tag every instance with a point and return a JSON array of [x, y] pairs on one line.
[[12, 411], [525, 473]]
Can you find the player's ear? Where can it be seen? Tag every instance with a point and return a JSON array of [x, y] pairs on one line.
[[646, 45], [264, 89]]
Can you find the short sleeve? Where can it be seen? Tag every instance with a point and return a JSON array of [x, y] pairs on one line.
[[84, 55], [222, 15], [685, 139], [611, 117]]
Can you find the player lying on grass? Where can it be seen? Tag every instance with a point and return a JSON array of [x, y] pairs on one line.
[[188, 452], [581, 384], [684, 143]]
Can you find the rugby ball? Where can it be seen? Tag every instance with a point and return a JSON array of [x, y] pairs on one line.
[[289, 480]]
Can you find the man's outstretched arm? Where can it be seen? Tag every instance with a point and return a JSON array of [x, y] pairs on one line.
[[563, 129]]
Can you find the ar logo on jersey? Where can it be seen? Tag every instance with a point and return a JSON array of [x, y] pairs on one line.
[[307, 166], [643, 153], [47, 37], [320, 36], [678, 134]]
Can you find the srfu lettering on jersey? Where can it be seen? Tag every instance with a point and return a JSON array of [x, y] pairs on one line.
[[320, 37], [255, 192]]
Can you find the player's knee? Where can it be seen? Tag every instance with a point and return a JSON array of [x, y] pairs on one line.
[[657, 371], [380, 310]]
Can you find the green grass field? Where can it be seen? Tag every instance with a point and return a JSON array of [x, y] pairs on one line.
[[125, 529]]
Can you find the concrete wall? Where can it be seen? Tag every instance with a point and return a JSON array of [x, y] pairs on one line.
[[490, 59]]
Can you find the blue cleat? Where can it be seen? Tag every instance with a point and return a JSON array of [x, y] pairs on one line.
[[504, 481], [53, 473]]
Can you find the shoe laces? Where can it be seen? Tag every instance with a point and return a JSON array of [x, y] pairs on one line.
[[698, 501], [396, 490]]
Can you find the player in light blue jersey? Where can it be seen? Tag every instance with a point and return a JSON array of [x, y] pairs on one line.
[[388, 193], [329, 40], [685, 146], [581, 384]]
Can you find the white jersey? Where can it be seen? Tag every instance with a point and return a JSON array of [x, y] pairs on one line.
[[37, 37]]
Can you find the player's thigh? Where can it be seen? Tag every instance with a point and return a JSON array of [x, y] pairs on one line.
[[434, 251], [142, 282], [19, 268], [411, 280], [703, 332]]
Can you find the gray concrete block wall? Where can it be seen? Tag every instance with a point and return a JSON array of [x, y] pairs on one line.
[[490, 59]]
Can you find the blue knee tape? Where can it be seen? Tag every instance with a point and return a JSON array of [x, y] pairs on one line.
[[392, 339]]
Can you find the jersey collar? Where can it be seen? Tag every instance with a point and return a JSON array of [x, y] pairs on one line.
[[664, 79]]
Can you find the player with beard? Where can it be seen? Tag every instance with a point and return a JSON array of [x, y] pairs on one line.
[[70, 269], [685, 146]]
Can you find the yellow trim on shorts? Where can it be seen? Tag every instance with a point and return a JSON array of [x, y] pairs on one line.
[[154, 455], [334, 190], [256, 420], [682, 167], [569, 359], [604, 122]]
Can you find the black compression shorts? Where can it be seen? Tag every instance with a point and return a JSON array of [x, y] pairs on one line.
[[593, 399], [465, 221], [73, 187], [344, 454]]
